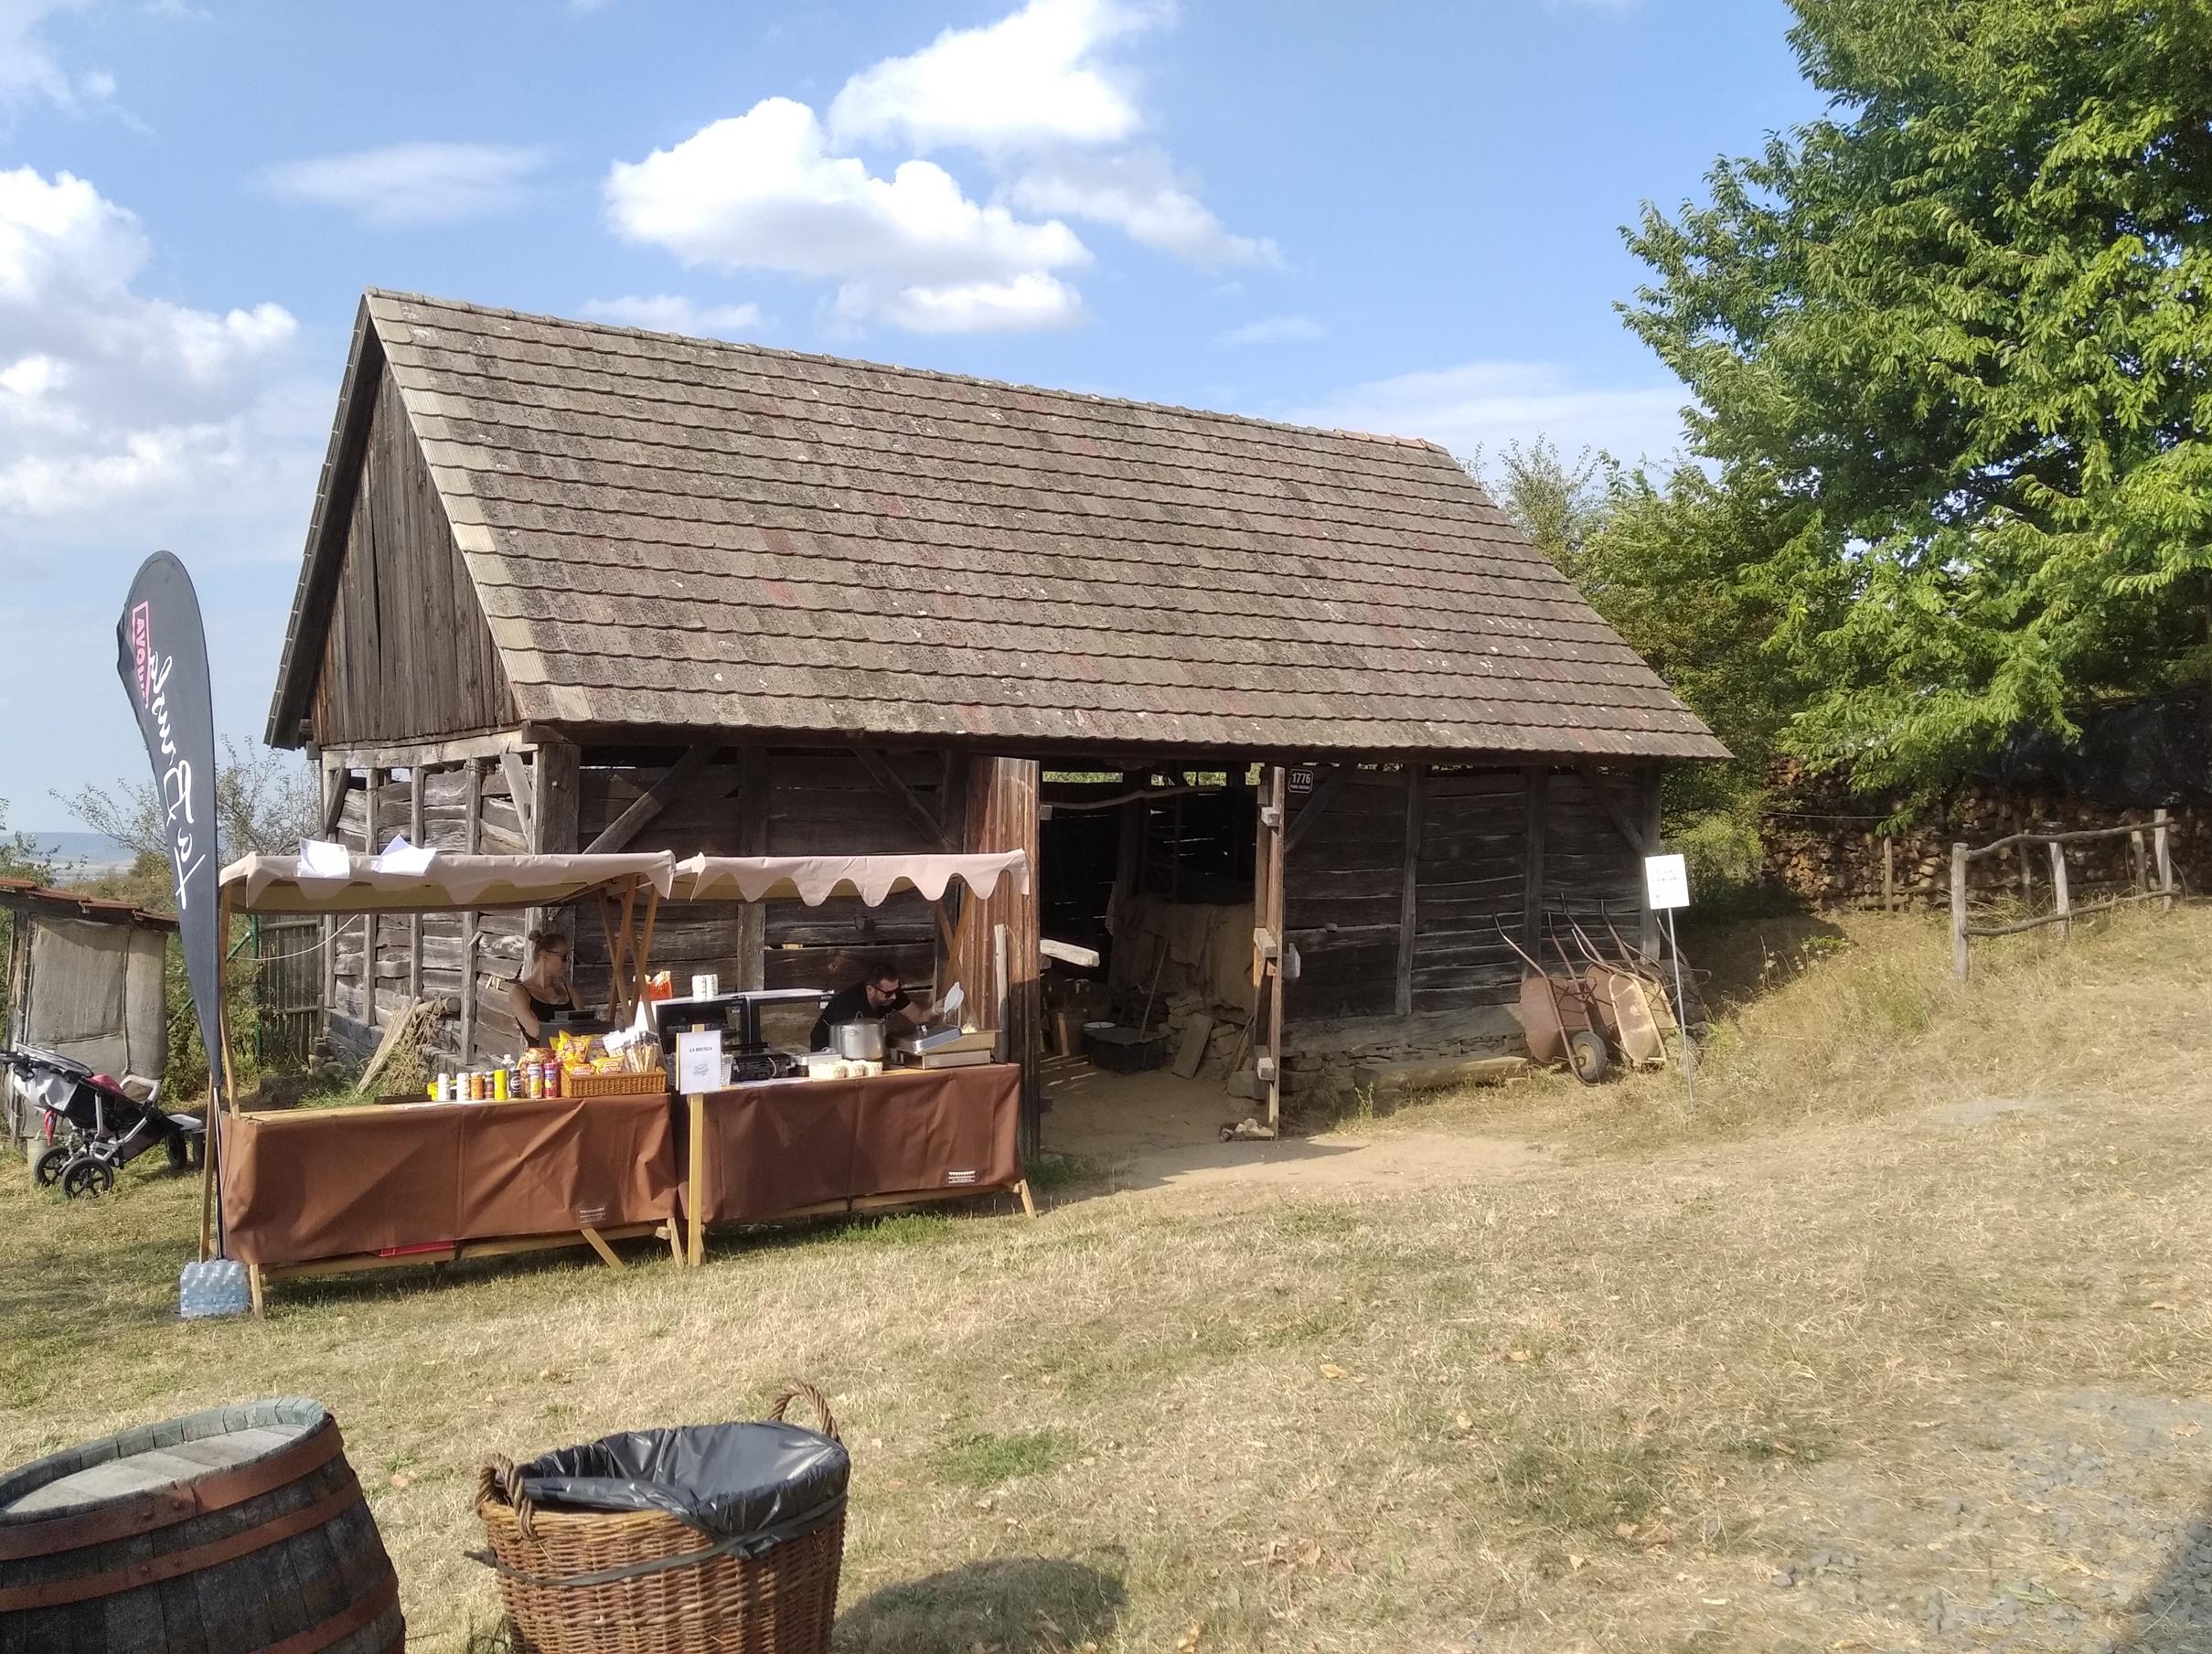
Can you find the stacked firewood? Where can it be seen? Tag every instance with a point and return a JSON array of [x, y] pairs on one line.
[[1827, 844]]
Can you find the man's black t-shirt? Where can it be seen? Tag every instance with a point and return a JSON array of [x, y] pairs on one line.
[[850, 1005]]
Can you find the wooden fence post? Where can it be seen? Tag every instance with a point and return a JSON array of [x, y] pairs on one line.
[[2161, 847], [1958, 911], [2139, 865], [1889, 874], [2065, 926]]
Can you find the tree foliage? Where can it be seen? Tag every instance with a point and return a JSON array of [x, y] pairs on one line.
[[1951, 347], [264, 801]]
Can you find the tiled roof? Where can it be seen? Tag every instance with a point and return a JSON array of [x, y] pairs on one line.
[[676, 532]]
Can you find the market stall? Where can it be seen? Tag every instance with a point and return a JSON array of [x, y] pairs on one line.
[[943, 1128], [316, 1190]]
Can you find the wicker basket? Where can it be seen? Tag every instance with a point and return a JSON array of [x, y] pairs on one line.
[[584, 1582], [652, 1082]]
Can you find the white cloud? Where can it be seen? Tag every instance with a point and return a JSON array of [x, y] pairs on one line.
[[1139, 193], [1036, 78], [132, 420], [669, 312], [1274, 330], [30, 73], [412, 184], [759, 191], [1485, 404]]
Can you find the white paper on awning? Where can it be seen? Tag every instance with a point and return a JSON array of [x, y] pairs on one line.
[[813, 879], [290, 885]]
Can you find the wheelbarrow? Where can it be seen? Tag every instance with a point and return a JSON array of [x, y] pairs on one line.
[[1560, 1018], [1621, 994]]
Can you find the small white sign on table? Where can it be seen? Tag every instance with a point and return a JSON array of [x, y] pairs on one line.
[[699, 1061], [1666, 882]]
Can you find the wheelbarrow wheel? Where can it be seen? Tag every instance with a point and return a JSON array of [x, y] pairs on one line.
[[1587, 1056]]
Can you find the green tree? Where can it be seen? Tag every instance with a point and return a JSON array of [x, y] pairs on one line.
[[1558, 504], [1950, 343], [264, 800]]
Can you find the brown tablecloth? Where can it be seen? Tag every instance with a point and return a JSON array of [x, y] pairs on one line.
[[324, 1183], [790, 1144]]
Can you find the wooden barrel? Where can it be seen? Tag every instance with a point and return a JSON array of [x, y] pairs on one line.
[[236, 1531]]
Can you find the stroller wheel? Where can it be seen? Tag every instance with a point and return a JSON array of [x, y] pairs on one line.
[[46, 1171], [1587, 1056], [84, 1176]]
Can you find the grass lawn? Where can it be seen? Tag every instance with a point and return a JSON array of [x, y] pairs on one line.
[[1901, 1341]]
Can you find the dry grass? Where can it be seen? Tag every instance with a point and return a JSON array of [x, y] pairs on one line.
[[1597, 1406]]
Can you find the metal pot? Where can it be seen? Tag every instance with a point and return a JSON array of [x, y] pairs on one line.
[[858, 1041]]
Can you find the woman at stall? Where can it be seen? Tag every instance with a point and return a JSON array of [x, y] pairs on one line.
[[547, 988]]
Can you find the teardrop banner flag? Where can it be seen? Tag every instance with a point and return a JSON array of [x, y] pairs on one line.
[[162, 654]]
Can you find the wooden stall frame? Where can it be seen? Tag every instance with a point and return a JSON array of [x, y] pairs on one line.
[[257, 1276], [693, 1253], [953, 934]]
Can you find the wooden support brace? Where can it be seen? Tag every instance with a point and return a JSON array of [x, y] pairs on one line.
[[599, 1245], [889, 783], [696, 1146], [518, 789], [656, 798], [1317, 803], [1603, 790]]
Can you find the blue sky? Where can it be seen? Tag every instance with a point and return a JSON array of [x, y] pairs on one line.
[[1392, 216]]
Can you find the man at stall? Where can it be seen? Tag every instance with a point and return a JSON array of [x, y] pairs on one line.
[[877, 997]]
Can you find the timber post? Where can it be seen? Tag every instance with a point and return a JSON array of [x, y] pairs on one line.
[[1958, 911], [1889, 874], [2161, 847], [2058, 895], [1408, 888]]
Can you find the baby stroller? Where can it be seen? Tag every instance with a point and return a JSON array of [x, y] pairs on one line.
[[92, 1125]]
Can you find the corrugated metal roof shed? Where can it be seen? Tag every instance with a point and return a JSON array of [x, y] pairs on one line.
[[680, 533]]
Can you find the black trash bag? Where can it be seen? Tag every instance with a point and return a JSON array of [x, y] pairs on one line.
[[752, 1486]]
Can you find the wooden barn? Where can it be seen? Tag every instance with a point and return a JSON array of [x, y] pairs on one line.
[[1259, 700]]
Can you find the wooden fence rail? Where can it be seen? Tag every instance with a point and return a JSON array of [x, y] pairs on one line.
[[2159, 859]]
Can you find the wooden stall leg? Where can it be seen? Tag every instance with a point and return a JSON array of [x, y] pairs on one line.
[[1028, 1206], [674, 1232], [207, 1182], [599, 1245], [698, 1179], [253, 1287]]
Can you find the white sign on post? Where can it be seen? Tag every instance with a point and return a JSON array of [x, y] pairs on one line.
[[1666, 882], [699, 1060]]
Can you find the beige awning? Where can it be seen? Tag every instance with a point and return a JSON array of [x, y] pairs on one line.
[[282, 884], [813, 879]]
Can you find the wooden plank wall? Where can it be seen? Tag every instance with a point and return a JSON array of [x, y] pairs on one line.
[[817, 804], [1467, 833], [408, 655], [443, 936]]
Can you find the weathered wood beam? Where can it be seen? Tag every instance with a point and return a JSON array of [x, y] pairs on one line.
[[655, 799], [519, 790], [1652, 805], [1603, 789], [471, 838], [892, 786], [756, 781], [414, 922], [406, 754], [1316, 801], [1532, 863], [1409, 890]]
